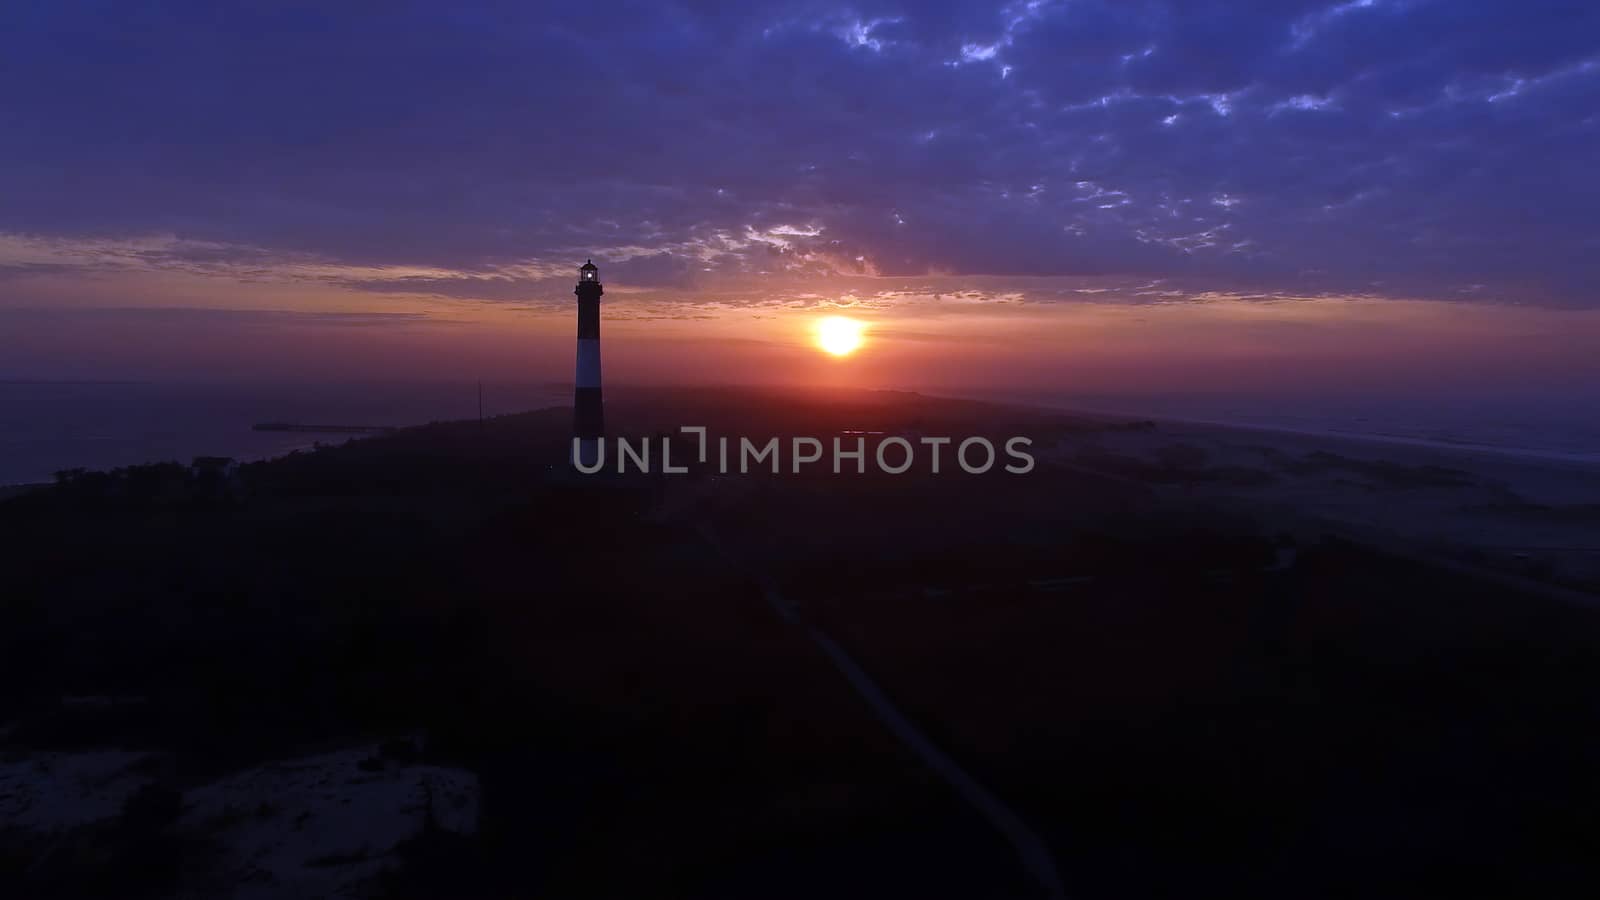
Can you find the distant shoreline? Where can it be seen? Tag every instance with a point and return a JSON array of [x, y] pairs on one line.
[[1509, 453], [1530, 454], [1527, 454]]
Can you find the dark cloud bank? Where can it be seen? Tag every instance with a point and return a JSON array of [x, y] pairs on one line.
[[1399, 148]]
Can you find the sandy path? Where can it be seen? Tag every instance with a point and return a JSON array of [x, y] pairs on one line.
[[1031, 849]]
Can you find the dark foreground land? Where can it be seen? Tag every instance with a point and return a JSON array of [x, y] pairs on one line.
[[438, 664]]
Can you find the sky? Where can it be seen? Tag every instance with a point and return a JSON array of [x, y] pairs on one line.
[[1074, 195]]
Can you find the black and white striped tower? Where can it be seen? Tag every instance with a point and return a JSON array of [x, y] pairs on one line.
[[588, 417]]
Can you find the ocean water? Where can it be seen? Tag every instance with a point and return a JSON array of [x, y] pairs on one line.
[[46, 427]]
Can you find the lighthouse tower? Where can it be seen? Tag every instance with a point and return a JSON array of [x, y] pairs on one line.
[[588, 419]]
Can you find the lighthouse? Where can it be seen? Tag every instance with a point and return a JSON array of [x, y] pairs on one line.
[[588, 415]]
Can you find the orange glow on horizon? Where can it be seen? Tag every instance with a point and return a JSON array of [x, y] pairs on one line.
[[196, 326]]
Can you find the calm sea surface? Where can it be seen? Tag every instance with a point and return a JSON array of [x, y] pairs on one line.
[[46, 427]]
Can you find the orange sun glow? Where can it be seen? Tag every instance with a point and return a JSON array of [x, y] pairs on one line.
[[839, 336]]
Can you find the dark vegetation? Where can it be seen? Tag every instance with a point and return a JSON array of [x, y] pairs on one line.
[[1561, 513], [1176, 464], [1378, 472], [1178, 709], [1355, 726]]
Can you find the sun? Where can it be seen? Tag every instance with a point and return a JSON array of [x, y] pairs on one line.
[[839, 336]]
